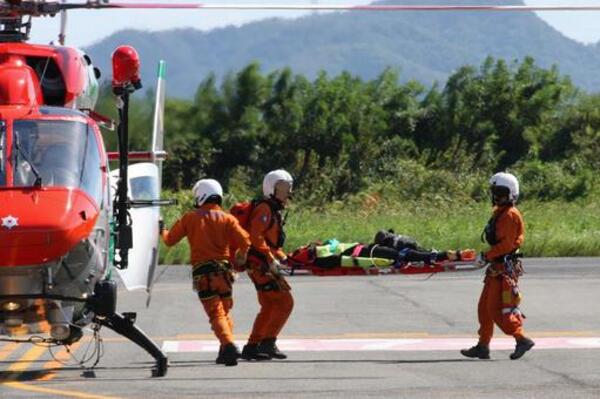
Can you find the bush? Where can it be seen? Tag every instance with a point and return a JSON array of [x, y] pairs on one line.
[[554, 180]]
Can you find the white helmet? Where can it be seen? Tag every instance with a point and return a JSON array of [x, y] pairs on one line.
[[206, 188], [509, 181], [274, 177]]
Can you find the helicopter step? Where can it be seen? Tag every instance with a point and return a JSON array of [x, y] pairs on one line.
[[104, 305]]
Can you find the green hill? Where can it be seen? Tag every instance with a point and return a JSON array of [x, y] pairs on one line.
[[423, 46]]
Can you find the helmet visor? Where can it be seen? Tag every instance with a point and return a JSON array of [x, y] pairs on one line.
[[500, 194], [499, 191], [283, 190]]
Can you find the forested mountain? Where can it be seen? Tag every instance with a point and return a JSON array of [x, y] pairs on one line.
[[423, 46]]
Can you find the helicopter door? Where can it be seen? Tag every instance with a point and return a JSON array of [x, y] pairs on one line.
[[144, 185], [143, 257]]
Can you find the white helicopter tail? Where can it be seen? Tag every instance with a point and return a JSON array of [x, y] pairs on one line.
[[158, 126]]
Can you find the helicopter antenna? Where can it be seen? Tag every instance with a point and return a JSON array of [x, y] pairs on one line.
[[43, 75], [63, 26]]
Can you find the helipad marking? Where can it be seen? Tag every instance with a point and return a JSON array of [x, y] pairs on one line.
[[400, 344], [56, 392], [6, 350], [18, 367], [22, 365]]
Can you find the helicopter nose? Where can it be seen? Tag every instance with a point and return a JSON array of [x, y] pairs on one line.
[[38, 226]]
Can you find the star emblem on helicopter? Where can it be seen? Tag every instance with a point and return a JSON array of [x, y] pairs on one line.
[[10, 221]]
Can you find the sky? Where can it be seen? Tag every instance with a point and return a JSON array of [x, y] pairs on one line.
[[87, 27]]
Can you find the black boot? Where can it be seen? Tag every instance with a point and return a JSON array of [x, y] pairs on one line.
[[523, 346], [228, 355], [251, 352], [269, 347], [220, 359], [478, 351]]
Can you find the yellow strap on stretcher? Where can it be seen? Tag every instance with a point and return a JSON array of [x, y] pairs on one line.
[[335, 248], [354, 261]]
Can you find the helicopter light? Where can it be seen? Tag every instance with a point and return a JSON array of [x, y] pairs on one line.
[[60, 331], [126, 69], [11, 306]]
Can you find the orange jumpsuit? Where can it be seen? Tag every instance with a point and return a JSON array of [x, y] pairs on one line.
[[276, 301], [209, 231], [496, 304]]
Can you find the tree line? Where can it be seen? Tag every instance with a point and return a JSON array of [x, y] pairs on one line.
[[340, 135]]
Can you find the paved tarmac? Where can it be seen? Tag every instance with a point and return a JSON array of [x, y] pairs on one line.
[[349, 337]]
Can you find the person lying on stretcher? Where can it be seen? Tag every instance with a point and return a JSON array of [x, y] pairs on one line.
[[387, 250], [410, 251]]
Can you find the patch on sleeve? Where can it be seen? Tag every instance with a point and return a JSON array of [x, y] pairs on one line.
[[264, 219]]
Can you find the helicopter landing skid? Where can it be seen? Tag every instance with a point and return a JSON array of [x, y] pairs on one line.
[[125, 325]]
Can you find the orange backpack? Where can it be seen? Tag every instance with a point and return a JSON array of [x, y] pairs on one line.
[[242, 212]]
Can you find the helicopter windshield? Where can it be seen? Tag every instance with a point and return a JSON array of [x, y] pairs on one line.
[[59, 153]]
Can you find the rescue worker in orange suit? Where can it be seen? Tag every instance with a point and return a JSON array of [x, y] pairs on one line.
[[209, 231], [500, 297], [265, 261]]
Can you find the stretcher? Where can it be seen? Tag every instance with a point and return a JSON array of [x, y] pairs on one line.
[[359, 266]]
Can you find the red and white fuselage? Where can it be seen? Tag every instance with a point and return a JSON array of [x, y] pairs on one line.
[[54, 191]]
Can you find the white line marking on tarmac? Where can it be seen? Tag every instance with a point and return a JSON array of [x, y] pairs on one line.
[[399, 344]]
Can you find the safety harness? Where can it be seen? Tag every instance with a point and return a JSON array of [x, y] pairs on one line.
[[276, 283], [276, 218], [489, 231], [509, 272], [204, 273]]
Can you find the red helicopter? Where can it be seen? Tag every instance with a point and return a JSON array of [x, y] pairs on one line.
[[65, 220]]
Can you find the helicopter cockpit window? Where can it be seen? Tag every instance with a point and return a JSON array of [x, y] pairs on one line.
[[56, 153], [91, 176], [144, 188]]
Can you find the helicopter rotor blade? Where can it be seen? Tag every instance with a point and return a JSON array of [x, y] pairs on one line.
[[336, 7], [36, 8]]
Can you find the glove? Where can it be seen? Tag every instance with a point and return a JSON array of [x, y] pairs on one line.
[[241, 258], [284, 266], [275, 268], [481, 260]]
